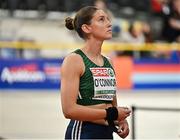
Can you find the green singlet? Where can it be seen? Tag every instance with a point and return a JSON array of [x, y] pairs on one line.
[[97, 84]]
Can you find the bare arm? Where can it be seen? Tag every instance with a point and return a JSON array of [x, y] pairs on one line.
[[71, 71]]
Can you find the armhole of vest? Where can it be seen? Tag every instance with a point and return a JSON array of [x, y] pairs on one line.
[[78, 51], [107, 60]]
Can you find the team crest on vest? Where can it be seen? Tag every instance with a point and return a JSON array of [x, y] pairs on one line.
[[104, 83]]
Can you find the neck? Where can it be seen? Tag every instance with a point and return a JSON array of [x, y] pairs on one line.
[[93, 47]]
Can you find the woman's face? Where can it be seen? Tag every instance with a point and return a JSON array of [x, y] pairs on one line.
[[100, 26]]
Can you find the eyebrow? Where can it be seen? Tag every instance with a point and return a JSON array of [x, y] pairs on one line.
[[103, 16]]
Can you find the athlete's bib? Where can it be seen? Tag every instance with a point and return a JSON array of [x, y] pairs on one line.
[[104, 83]]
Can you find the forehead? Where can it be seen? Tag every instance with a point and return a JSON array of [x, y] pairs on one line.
[[99, 13]]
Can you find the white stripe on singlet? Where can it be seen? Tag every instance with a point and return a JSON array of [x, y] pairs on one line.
[[80, 127], [73, 130], [79, 94], [76, 130]]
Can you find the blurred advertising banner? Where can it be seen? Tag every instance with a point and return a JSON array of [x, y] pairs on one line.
[[130, 73], [30, 74], [147, 73]]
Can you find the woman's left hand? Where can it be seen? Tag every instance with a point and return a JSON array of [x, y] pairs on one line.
[[123, 129]]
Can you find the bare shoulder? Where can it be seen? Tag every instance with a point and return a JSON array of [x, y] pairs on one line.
[[72, 63], [71, 58]]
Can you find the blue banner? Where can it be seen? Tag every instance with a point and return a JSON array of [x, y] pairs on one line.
[[30, 74]]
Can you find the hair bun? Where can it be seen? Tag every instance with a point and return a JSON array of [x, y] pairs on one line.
[[69, 23]]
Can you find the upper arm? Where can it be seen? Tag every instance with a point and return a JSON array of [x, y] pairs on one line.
[[71, 71]]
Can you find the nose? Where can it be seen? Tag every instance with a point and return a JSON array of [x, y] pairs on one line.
[[109, 25]]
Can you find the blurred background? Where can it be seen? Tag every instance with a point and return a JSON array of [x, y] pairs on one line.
[[145, 51]]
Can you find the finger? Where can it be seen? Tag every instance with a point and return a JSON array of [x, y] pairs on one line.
[[128, 110], [127, 115], [123, 133], [120, 129], [126, 130], [123, 136]]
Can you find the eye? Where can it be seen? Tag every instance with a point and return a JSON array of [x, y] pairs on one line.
[[101, 19]]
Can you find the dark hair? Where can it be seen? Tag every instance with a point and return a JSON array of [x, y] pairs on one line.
[[83, 16]]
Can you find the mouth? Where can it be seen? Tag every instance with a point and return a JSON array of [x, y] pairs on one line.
[[109, 31]]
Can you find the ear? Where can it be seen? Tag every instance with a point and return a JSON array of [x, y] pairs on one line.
[[86, 28]]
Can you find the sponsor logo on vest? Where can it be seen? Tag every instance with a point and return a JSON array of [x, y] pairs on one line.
[[102, 72]]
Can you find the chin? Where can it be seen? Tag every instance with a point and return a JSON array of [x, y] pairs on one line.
[[108, 37]]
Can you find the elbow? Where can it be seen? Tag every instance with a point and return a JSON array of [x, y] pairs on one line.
[[68, 113], [69, 110]]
